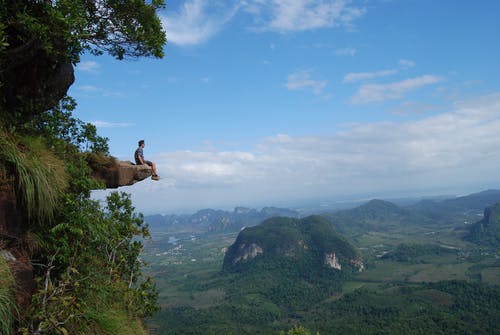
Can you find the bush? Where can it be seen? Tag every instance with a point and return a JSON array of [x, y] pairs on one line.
[[7, 304]]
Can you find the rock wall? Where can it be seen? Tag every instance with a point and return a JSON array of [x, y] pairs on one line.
[[14, 225]]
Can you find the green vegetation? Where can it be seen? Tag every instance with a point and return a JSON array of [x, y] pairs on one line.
[[415, 253], [39, 175], [447, 307], [376, 215], [85, 255], [305, 242], [419, 279], [40, 40], [297, 330], [7, 304]]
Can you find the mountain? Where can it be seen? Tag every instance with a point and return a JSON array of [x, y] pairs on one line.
[[310, 245], [375, 215], [448, 208], [216, 221], [486, 232]]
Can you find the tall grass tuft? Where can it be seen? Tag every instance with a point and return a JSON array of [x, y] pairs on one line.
[[7, 303], [38, 175], [114, 321]]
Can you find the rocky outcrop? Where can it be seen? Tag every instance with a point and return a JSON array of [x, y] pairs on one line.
[[332, 261], [32, 78], [248, 252], [358, 263], [119, 173]]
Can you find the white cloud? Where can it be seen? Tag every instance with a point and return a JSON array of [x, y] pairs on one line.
[[406, 63], [93, 90], [360, 76], [455, 150], [196, 22], [88, 66], [412, 107], [302, 80], [87, 88], [300, 15], [346, 52], [396, 90], [363, 76], [106, 124]]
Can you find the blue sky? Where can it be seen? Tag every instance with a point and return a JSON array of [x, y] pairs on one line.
[[269, 102]]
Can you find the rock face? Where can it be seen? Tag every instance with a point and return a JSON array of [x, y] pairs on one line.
[[120, 173], [14, 226], [32, 76], [332, 261], [248, 252]]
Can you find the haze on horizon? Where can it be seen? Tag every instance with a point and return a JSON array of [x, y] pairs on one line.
[[272, 103]]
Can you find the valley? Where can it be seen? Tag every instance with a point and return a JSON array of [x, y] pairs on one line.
[[418, 278]]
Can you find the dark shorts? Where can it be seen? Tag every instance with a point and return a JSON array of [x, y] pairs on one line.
[[146, 162]]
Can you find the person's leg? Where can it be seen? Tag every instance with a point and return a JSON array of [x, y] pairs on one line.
[[153, 167]]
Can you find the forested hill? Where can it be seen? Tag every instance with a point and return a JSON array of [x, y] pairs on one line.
[[375, 215], [309, 243], [444, 209], [486, 232]]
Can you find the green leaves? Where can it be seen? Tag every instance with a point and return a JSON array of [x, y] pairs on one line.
[[92, 263], [41, 40], [7, 302]]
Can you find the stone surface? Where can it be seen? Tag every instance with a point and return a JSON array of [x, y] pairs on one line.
[[14, 225], [121, 173], [13, 222]]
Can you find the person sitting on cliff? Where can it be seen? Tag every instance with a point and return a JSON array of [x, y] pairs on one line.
[[139, 160]]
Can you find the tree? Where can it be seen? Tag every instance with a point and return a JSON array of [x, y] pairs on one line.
[[41, 40]]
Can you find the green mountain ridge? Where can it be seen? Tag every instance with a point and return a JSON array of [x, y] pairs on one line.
[[375, 215]]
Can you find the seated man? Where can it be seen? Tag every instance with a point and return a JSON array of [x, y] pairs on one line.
[[139, 160]]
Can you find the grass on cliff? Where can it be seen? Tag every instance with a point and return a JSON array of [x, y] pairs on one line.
[[115, 321], [38, 176], [108, 312], [7, 303]]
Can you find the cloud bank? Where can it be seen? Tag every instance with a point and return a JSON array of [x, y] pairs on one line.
[[453, 150]]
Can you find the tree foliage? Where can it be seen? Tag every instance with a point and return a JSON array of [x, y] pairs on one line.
[[40, 40], [86, 258], [65, 29]]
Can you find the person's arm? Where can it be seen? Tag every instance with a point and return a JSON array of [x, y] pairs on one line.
[[141, 159]]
